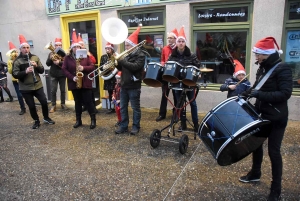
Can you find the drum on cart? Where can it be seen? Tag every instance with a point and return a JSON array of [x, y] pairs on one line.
[[172, 72], [153, 76], [232, 130], [190, 75]]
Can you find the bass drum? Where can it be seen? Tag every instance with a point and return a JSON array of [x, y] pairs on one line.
[[232, 130]]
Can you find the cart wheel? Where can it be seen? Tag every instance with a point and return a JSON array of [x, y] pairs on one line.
[[155, 138], [183, 144]]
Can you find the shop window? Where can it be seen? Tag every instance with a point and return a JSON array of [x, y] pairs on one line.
[[294, 11], [217, 50]]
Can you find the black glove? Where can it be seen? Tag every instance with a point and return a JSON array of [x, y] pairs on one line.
[[254, 93]]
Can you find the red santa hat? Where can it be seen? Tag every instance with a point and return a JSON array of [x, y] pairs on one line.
[[79, 39], [133, 38], [149, 41], [57, 41], [22, 41], [119, 74], [109, 45], [181, 34], [239, 68], [11, 47], [266, 46], [74, 40], [174, 32]]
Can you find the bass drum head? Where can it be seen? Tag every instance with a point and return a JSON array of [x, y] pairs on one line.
[[243, 144]]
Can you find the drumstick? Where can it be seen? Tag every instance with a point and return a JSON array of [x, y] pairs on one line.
[[242, 80]]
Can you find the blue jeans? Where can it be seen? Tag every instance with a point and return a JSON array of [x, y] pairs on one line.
[[193, 104], [62, 86], [132, 95], [19, 95]]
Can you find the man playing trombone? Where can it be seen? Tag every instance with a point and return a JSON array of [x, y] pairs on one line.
[[27, 68], [132, 67]]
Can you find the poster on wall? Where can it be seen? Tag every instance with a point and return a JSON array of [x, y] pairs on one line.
[[55, 7], [293, 46]]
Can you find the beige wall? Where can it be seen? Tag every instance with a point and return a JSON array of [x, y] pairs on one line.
[[29, 18]]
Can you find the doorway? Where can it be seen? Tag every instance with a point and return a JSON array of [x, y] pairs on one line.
[[88, 25]]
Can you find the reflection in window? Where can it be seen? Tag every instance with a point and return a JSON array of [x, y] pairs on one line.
[[216, 50], [294, 12], [292, 55], [153, 46]]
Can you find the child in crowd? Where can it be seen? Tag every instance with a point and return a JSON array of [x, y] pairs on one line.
[[236, 84], [116, 97]]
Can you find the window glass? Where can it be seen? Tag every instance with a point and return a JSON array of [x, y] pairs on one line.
[[294, 13], [147, 19], [292, 55], [219, 15], [216, 51]]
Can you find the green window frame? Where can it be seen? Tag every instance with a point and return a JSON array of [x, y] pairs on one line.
[[245, 26]]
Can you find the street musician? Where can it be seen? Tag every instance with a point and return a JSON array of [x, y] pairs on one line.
[[57, 77]]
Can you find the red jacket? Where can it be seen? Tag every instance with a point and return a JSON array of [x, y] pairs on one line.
[[69, 69], [165, 53]]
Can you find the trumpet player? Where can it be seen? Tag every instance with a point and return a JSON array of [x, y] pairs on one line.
[[12, 55], [132, 67], [84, 94], [26, 68], [109, 84], [57, 77]]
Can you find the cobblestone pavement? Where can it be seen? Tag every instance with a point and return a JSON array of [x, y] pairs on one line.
[[58, 162]]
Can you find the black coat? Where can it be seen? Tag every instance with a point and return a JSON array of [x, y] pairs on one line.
[[187, 58], [110, 83], [132, 65], [55, 70], [275, 92]]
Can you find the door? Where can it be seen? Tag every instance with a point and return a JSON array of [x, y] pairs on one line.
[[88, 25]]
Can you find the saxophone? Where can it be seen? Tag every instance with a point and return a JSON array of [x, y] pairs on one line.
[[79, 75]]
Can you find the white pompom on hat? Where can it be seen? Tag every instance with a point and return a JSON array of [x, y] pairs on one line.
[[266, 46], [239, 68]]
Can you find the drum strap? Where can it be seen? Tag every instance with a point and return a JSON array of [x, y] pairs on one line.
[[264, 79]]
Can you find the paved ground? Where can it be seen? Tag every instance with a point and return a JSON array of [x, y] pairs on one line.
[[58, 162]]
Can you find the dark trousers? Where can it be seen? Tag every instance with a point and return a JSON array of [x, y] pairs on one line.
[[19, 95], [164, 101], [274, 144], [29, 99], [83, 97], [62, 86]]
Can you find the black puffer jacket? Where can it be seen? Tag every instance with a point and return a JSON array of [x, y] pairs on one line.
[[275, 92], [132, 65], [187, 58]]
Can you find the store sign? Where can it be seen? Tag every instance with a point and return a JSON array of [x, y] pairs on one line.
[[55, 7], [293, 46], [294, 13], [146, 19], [217, 15]]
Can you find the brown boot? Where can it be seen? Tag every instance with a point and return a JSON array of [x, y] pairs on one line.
[[52, 109]]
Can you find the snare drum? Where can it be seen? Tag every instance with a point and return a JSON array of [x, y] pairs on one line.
[[172, 72], [190, 75], [153, 76], [232, 130]]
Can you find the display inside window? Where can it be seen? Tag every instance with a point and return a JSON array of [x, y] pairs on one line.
[[146, 19], [292, 55], [217, 50], [153, 46], [220, 15], [294, 12]]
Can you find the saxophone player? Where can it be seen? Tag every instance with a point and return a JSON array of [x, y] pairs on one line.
[[132, 67], [83, 94], [57, 77], [26, 68]]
